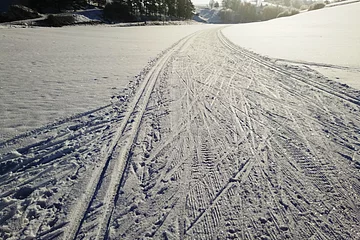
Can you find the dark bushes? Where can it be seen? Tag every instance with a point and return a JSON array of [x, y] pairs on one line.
[[246, 12], [271, 12], [4, 18], [316, 6], [60, 20], [137, 10], [18, 12], [118, 11], [288, 13], [227, 15], [56, 6]]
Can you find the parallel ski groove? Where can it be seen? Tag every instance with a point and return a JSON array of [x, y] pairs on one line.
[[121, 161], [217, 143]]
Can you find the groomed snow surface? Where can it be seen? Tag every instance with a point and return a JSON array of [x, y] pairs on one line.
[[211, 142], [327, 39], [50, 73], [208, 141]]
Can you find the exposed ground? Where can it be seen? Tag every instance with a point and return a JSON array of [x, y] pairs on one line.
[[210, 142]]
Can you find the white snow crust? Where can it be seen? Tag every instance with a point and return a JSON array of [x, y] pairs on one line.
[[51, 73], [327, 40]]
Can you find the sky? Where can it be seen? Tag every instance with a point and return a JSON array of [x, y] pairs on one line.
[[201, 2]]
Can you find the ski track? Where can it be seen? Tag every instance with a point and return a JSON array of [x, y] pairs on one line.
[[210, 142]]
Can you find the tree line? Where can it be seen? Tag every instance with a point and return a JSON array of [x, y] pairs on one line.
[[237, 11], [123, 10], [54, 6], [142, 10]]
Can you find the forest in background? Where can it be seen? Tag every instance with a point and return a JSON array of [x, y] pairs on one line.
[[237, 11], [120, 10]]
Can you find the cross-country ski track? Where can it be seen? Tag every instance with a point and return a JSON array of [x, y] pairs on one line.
[[210, 141]]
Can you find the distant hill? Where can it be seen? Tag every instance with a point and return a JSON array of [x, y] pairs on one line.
[[4, 4]]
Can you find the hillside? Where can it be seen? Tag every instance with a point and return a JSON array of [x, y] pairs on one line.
[[327, 40]]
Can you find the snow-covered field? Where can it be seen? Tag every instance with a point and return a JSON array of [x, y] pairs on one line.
[[51, 73], [212, 142], [328, 40]]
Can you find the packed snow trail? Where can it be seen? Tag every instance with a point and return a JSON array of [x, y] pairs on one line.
[[210, 142]]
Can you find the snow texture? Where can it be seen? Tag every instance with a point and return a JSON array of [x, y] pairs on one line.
[[209, 141], [51, 73], [327, 40]]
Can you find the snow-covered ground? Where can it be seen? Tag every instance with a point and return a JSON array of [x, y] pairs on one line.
[[328, 40], [214, 142], [51, 73]]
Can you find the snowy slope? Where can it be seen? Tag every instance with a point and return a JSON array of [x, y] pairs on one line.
[[328, 37]]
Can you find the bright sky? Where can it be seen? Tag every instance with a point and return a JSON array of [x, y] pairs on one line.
[[202, 2]]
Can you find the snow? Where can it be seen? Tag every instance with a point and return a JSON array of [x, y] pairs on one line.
[[328, 36], [211, 142], [334, 3], [51, 73]]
